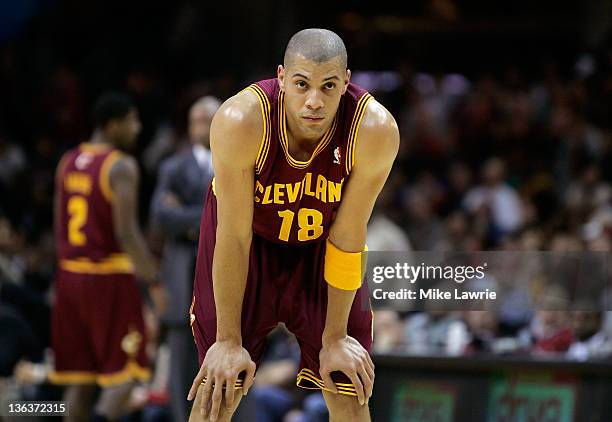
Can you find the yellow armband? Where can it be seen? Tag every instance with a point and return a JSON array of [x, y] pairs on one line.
[[343, 270]]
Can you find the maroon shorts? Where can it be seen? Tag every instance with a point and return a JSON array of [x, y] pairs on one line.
[[98, 330], [285, 284]]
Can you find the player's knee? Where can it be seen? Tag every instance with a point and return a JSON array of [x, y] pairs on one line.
[[225, 414], [342, 406]]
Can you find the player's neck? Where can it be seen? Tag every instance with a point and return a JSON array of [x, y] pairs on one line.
[[99, 138], [304, 140]]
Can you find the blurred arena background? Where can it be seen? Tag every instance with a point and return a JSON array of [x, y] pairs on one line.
[[513, 99]]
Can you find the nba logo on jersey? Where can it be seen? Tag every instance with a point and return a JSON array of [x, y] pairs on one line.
[[337, 155]]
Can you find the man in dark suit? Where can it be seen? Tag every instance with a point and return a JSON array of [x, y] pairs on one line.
[[176, 210]]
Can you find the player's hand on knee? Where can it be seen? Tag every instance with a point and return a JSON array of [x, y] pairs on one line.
[[222, 366], [348, 356]]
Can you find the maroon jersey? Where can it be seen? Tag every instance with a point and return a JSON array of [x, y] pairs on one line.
[[295, 201], [85, 235]]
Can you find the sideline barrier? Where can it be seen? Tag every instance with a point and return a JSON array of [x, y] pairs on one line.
[[490, 389]]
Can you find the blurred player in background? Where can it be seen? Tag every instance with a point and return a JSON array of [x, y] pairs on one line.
[[176, 209], [299, 161], [98, 332]]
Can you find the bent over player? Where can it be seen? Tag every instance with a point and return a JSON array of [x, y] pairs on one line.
[[299, 161], [97, 329]]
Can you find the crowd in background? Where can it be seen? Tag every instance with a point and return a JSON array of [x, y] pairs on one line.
[[504, 163], [510, 160]]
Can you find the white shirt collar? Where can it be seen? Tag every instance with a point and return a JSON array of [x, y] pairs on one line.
[[202, 155]]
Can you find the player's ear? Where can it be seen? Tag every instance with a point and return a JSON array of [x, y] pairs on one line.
[[280, 73], [347, 80]]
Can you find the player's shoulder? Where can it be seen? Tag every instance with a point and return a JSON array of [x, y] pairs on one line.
[[238, 125], [378, 132], [242, 111], [124, 166], [377, 118]]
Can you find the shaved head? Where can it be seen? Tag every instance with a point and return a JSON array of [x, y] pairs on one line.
[[317, 45]]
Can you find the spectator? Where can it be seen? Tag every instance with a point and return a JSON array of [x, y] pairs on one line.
[[389, 333], [591, 341], [550, 331], [435, 332], [425, 229], [483, 328], [12, 161], [17, 339], [495, 201]]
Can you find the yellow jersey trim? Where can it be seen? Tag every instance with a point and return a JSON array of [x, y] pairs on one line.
[[306, 376], [72, 377], [98, 148], [284, 139], [104, 178], [131, 371], [113, 264], [354, 131], [264, 146]]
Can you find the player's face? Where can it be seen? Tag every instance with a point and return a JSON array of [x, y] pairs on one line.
[[312, 94], [127, 129]]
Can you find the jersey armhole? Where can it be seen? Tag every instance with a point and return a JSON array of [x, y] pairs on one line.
[[104, 181], [362, 105], [264, 146]]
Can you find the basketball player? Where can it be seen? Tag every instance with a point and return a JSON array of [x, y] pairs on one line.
[[97, 329], [299, 161]]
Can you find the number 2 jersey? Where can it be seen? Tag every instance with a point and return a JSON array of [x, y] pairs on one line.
[[85, 234], [296, 201], [97, 328]]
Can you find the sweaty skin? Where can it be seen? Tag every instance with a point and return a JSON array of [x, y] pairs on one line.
[[237, 126], [313, 91]]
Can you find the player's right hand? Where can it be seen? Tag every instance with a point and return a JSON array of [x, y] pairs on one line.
[[222, 365]]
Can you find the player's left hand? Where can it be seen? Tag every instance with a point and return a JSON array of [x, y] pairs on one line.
[[348, 356]]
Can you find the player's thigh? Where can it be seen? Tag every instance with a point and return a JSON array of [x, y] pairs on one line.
[[344, 407], [224, 414], [71, 336], [119, 336], [308, 324]]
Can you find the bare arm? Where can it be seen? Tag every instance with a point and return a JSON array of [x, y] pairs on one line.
[[376, 148], [235, 139], [124, 179], [375, 152], [235, 135]]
